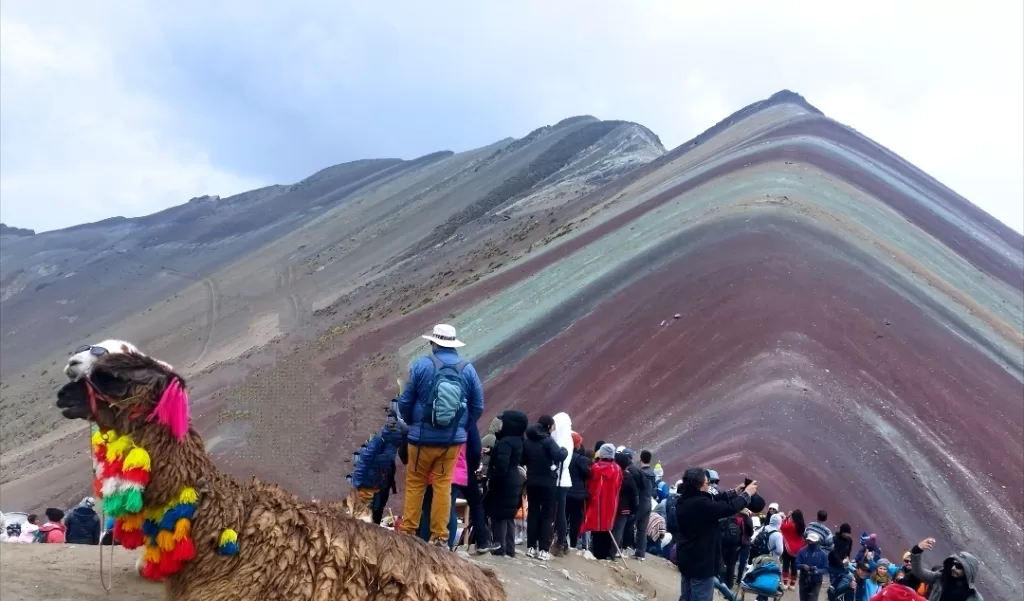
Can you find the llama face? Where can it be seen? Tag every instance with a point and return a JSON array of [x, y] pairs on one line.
[[81, 361], [127, 388]]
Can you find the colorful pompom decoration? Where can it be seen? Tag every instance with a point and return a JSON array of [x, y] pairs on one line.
[[122, 470], [228, 542]]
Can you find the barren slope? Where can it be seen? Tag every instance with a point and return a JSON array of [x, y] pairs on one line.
[[849, 331]]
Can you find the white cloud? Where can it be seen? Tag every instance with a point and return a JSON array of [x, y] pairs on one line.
[[942, 85], [80, 144]]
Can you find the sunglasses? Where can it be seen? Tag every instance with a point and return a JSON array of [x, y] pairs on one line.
[[956, 565], [93, 350]]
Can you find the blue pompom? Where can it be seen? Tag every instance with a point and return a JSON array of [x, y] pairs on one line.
[[228, 549]]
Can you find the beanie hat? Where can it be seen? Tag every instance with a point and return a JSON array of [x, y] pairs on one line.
[[658, 471], [577, 440], [607, 451]]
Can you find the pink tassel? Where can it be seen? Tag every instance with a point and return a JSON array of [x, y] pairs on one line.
[[172, 410]]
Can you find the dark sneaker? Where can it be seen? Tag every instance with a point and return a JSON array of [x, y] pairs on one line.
[[487, 548]]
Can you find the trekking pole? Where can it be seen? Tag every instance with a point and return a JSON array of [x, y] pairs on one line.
[[623, 558]]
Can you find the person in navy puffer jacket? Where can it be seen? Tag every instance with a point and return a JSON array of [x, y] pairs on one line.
[[83, 524], [433, 449], [374, 474]]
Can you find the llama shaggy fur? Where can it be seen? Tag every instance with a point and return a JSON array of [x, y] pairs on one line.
[[288, 549]]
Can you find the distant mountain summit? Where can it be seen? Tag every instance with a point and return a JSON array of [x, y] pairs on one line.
[[6, 230]]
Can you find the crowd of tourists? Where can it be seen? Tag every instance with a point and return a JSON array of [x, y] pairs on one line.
[[537, 484], [79, 525]]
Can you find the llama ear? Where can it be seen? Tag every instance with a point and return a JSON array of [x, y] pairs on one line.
[[108, 383]]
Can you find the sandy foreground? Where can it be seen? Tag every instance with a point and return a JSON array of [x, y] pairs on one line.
[[33, 572]]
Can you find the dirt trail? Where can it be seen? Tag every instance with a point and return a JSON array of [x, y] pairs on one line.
[[71, 573]]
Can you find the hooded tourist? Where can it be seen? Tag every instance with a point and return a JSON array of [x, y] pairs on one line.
[[576, 497], [812, 565], [83, 524], [869, 549], [792, 529], [954, 581], [603, 501], [698, 552], [488, 440], [563, 436], [661, 487], [629, 497], [443, 396], [504, 483], [543, 458], [842, 546]]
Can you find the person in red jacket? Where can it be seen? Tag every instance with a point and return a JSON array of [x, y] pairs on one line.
[[792, 530], [897, 592], [603, 501], [53, 530]]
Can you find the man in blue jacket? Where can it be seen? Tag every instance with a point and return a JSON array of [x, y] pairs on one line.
[[442, 398]]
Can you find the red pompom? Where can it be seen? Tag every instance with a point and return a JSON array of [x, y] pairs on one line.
[[137, 475], [113, 469], [97, 488], [184, 550], [133, 539], [151, 571], [169, 565]]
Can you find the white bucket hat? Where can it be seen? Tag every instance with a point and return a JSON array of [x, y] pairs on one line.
[[444, 335]]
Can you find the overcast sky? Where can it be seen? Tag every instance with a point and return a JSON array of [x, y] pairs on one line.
[[125, 108]]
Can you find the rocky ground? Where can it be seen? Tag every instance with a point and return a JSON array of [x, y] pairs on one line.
[[72, 573]]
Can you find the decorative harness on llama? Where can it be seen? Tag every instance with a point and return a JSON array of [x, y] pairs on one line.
[[122, 471]]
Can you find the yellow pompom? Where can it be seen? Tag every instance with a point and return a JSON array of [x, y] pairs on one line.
[[151, 554], [118, 448], [182, 528], [96, 439], [137, 458], [165, 540], [188, 495], [228, 536], [131, 522], [110, 435]]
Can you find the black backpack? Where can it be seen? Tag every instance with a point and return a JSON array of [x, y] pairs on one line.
[[732, 532], [760, 545]]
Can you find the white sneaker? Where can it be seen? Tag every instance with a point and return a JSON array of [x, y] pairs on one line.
[[531, 553], [543, 555]]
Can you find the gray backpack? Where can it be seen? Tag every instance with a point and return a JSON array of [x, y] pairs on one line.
[[447, 397]]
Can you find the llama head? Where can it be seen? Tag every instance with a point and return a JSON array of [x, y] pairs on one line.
[[80, 362], [127, 391]]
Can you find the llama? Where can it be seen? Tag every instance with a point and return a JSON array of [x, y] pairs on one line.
[[209, 537]]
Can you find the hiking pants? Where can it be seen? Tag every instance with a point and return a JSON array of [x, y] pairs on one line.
[[504, 535], [424, 462], [471, 493], [789, 572], [696, 589], [730, 555], [561, 526], [619, 530], [809, 590], [574, 513], [628, 539], [381, 503], [641, 532], [453, 523], [741, 562], [541, 501]]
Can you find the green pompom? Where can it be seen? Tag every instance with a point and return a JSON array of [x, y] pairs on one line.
[[114, 504], [132, 500]]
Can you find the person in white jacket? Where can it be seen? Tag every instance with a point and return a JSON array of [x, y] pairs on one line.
[[562, 436]]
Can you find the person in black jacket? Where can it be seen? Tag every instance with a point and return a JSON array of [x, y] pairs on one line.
[[576, 497], [698, 550], [83, 524], [648, 492], [629, 499], [839, 556], [541, 456], [504, 483]]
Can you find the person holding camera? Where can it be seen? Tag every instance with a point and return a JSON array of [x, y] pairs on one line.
[[698, 551]]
